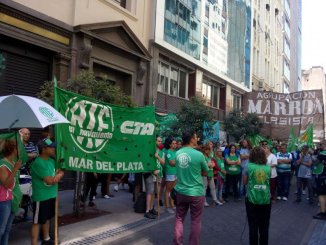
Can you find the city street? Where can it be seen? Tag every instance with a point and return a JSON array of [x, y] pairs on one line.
[[291, 223]]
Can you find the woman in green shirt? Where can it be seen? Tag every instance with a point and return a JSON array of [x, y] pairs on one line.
[[258, 200], [209, 179], [170, 172], [233, 172]]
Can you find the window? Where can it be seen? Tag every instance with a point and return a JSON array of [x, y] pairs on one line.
[[236, 102], [210, 94], [122, 3], [172, 80]]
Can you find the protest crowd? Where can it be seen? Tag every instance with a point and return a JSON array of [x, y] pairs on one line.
[[189, 174]]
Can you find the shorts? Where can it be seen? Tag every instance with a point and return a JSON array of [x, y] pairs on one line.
[[170, 177], [149, 185], [43, 211]]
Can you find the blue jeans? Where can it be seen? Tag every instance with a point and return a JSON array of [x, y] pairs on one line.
[[283, 184], [6, 219]]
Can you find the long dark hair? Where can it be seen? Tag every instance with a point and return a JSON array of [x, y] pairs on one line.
[[168, 142], [258, 156]]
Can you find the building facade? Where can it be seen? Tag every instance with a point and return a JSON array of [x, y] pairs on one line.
[[296, 45], [292, 41], [40, 39], [194, 54], [315, 78], [267, 45]]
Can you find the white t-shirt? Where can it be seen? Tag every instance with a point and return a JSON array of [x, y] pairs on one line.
[[272, 161]]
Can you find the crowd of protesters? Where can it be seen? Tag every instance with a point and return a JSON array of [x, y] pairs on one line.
[[189, 174]]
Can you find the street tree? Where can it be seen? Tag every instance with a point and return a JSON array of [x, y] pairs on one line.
[[87, 84], [240, 125], [192, 116]]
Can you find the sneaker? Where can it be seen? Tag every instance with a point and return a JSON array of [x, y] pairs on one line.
[[116, 188], [206, 204], [153, 211], [279, 198], [94, 197], [91, 204], [170, 210], [110, 195], [106, 197], [149, 215], [284, 198], [320, 216], [217, 202], [307, 198], [303, 192]]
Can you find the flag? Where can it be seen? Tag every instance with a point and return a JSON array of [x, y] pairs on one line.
[[22, 154], [104, 138], [256, 139], [211, 132], [293, 141], [307, 137]]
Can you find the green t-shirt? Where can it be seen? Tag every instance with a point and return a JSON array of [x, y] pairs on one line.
[[233, 169], [258, 183], [169, 169], [40, 169], [210, 170], [190, 164], [159, 165], [221, 165]]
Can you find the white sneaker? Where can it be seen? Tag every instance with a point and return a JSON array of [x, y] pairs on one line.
[[206, 204], [116, 188], [303, 192], [279, 198], [106, 197], [217, 202], [94, 197], [170, 210], [285, 198]]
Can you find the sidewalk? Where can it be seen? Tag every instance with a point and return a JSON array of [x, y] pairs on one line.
[[122, 219]]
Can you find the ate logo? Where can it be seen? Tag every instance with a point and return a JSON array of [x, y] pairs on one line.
[[91, 126]]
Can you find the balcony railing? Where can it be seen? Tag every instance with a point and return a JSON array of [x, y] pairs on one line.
[[166, 103]]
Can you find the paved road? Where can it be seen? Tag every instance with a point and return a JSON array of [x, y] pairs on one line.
[[291, 223]]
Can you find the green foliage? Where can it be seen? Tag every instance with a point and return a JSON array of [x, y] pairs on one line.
[[192, 116], [88, 85], [239, 125]]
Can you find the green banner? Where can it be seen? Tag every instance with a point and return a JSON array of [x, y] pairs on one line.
[[164, 123], [21, 149], [104, 138]]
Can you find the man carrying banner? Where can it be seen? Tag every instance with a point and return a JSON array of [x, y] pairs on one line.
[[45, 188]]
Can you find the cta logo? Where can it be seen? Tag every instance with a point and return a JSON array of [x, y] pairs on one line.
[[47, 113], [91, 124]]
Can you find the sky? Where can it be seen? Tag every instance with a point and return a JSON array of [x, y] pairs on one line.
[[313, 33]]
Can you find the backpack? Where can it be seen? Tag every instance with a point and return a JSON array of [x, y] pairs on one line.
[[140, 204]]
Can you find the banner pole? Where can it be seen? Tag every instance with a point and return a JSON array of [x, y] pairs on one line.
[[56, 167], [158, 198]]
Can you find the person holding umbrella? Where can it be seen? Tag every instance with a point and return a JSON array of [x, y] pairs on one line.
[[9, 169], [45, 188]]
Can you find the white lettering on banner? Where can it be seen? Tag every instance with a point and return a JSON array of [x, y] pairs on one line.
[[260, 187], [292, 108], [287, 120], [293, 96], [88, 164], [137, 128]]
